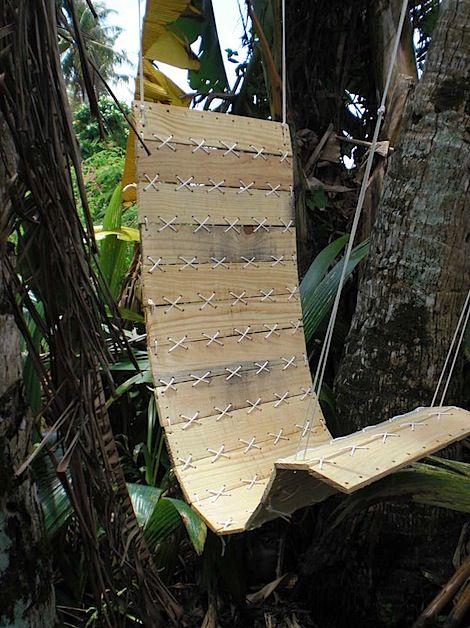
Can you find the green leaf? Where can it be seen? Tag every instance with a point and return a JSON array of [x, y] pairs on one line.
[[160, 516], [211, 74], [52, 495], [113, 248], [421, 483], [144, 499], [130, 315], [140, 378], [321, 263], [127, 234], [317, 303], [195, 527], [317, 199]]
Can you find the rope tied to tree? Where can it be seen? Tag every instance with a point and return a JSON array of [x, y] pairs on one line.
[[321, 366]]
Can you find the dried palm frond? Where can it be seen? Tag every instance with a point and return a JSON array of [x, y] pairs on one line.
[[55, 265]]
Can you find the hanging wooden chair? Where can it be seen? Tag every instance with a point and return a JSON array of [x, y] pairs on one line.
[[224, 328]]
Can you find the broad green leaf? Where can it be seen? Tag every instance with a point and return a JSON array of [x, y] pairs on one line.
[[317, 303], [211, 73], [195, 527], [321, 264], [144, 499], [421, 483], [130, 315], [167, 516], [52, 495], [113, 250]]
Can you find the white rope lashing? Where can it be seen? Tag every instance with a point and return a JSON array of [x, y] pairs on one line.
[[320, 371], [453, 349]]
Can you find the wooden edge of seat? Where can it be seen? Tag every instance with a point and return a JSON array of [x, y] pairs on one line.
[[296, 483]]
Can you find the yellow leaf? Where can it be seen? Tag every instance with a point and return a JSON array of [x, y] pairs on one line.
[[128, 234], [157, 88], [163, 45], [165, 11]]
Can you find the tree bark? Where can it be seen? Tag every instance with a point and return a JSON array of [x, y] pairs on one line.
[[409, 300], [419, 264], [26, 585]]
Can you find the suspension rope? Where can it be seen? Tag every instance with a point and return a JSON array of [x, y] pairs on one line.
[[320, 371], [284, 65], [453, 349]]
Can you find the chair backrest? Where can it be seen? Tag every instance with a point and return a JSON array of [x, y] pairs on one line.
[[221, 293]]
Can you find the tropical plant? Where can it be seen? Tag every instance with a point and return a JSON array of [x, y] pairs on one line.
[[89, 132], [98, 38]]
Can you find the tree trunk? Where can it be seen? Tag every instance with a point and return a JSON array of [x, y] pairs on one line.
[[26, 587], [383, 25], [410, 297], [419, 264]]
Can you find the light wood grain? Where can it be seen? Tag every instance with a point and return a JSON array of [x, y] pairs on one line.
[[348, 473], [234, 171], [220, 242], [248, 370], [200, 356], [191, 206], [284, 480], [207, 397], [174, 283], [210, 433], [226, 315], [184, 123]]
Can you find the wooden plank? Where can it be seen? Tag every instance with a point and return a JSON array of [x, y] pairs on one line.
[[261, 315], [232, 514], [198, 355], [264, 424], [238, 470], [182, 124], [232, 243], [207, 397], [233, 171], [248, 370], [173, 284], [285, 493], [189, 207], [416, 434]]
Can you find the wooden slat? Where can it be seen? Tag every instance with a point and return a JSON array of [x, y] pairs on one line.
[[235, 472], [191, 206], [197, 318], [209, 433], [184, 123], [205, 280], [234, 171], [206, 397], [200, 356], [264, 246], [236, 511], [412, 442], [248, 370], [232, 517]]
